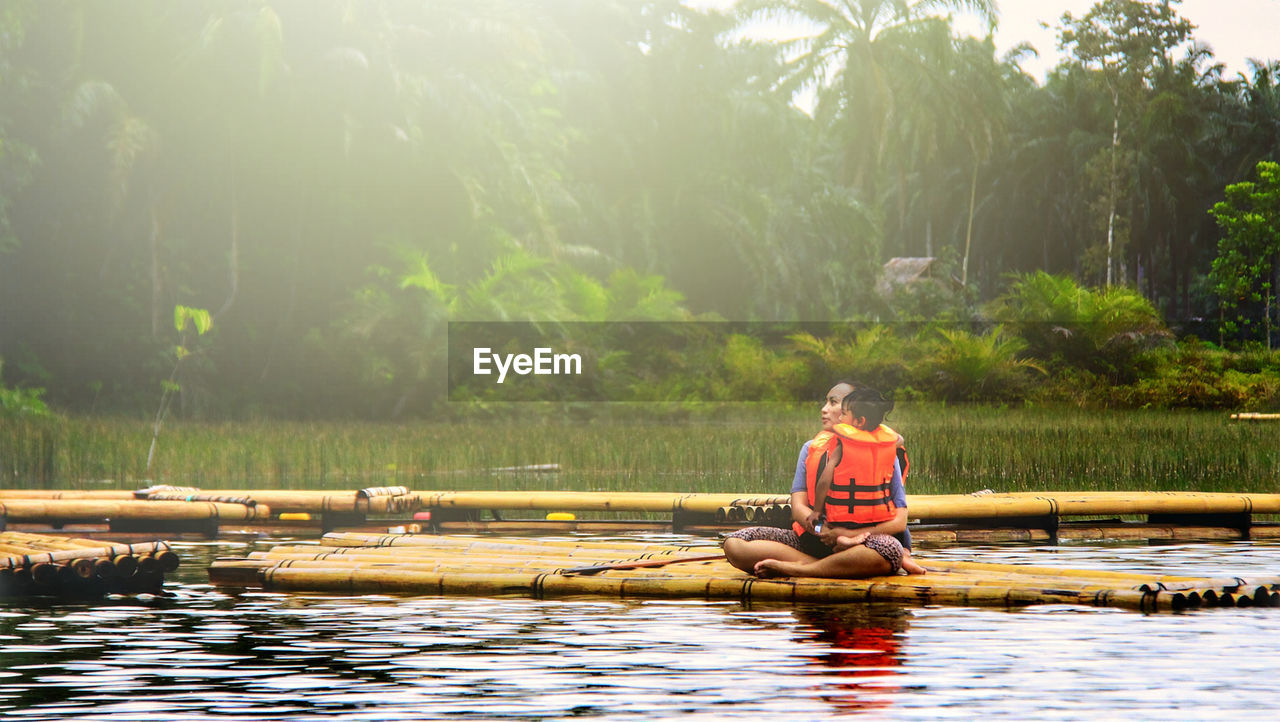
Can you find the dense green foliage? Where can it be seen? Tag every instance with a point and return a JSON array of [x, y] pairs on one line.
[[1249, 253], [336, 180], [735, 448], [21, 402]]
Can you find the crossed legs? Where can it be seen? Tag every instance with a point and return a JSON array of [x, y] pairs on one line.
[[856, 562], [745, 555], [764, 552]]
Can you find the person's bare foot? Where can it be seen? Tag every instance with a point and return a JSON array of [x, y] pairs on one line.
[[911, 566], [768, 568], [845, 542]]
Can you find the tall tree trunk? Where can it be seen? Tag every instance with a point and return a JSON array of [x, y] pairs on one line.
[[968, 234], [1044, 237], [1271, 295], [902, 208], [233, 262], [1267, 313], [1111, 214], [157, 289]]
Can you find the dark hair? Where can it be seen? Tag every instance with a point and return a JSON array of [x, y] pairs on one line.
[[867, 402], [853, 386]]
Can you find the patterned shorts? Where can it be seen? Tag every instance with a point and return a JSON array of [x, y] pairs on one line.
[[883, 544]]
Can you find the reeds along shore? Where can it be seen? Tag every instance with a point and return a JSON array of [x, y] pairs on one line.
[[406, 564], [37, 564], [954, 450]]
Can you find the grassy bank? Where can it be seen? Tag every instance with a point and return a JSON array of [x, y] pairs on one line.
[[749, 448]]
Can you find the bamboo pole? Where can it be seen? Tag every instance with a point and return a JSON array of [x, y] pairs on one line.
[[592, 501], [290, 500], [570, 556], [921, 506], [948, 536], [126, 564], [1101, 502], [438, 541], [67, 494], [450, 565], [27, 510], [554, 563], [1147, 531], [724, 506], [544, 526], [220, 498], [374, 499], [46, 542], [1122, 530]]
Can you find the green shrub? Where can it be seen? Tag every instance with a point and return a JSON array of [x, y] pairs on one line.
[[753, 372], [21, 402], [1104, 330], [1203, 387], [1253, 358], [875, 356], [972, 367]]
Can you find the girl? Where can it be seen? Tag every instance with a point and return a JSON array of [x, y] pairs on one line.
[[853, 483]]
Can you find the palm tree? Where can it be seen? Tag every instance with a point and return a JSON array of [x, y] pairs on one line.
[[1261, 125], [863, 62]]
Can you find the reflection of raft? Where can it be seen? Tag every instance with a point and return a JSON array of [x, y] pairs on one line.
[[406, 564], [35, 564]]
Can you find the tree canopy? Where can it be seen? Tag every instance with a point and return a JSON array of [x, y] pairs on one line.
[[333, 181]]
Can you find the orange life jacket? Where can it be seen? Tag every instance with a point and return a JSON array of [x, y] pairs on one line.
[[818, 449], [860, 484], [813, 463]]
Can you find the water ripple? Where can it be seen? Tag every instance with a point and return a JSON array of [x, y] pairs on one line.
[[206, 654]]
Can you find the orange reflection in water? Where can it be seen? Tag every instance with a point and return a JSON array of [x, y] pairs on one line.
[[863, 644]]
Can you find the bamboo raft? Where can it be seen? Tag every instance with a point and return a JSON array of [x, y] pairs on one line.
[[35, 564], [429, 565], [1026, 516]]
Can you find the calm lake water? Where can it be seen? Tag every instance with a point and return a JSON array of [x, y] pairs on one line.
[[207, 654]]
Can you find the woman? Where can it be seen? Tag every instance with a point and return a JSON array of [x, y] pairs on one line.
[[805, 544]]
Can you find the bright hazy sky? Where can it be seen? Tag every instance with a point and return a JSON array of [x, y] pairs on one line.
[[1235, 29]]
